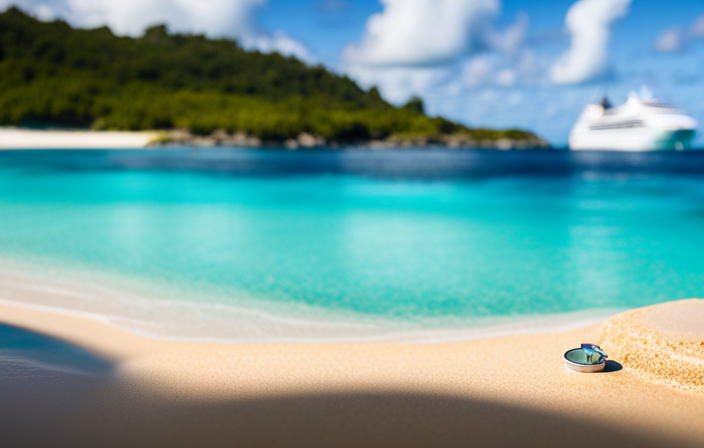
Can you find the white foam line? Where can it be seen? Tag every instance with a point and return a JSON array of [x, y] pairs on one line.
[[57, 310], [534, 325], [276, 318], [327, 326]]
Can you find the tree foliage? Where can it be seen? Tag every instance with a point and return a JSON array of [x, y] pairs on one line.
[[53, 73]]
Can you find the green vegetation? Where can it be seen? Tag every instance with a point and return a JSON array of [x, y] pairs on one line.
[[52, 73]]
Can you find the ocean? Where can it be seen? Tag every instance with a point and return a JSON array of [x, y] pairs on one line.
[[407, 244]]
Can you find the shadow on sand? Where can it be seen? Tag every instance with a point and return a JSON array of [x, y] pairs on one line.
[[327, 421], [612, 366], [18, 345], [110, 411]]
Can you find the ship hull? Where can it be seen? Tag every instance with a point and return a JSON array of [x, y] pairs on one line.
[[632, 140]]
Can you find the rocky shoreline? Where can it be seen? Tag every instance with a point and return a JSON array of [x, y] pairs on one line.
[[221, 138]]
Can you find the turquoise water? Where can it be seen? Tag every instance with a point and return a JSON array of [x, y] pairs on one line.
[[190, 243]]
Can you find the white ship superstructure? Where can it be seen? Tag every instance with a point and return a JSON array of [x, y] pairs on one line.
[[637, 125]]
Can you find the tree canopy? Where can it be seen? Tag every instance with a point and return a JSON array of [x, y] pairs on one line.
[[53, 73]]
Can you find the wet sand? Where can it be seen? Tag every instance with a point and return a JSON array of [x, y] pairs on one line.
[[69, 381]]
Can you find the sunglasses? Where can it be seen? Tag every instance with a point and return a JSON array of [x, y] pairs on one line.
[[588, 358]]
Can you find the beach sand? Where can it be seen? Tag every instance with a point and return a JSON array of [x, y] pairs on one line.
[[16, 138], [69, 381]]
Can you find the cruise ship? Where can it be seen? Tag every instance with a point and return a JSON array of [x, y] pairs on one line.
[[637, 125]]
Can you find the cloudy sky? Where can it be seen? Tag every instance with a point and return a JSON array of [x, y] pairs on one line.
[[501, 63]]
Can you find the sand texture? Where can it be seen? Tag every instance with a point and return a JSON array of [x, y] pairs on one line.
[[14, 138], [663, 343], [68, 381]]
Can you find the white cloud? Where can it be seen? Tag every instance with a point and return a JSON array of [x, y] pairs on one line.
[[231, 18], [420, 47], [477, 71], [697, 28], [509, 40], [130, 17], [422, 32], [531, 67], [494, 69], [670, 41], [506, 77], [397, 84], [43, 12], [281, 43], [589, 23]]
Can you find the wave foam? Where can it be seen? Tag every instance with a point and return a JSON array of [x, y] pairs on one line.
[[261, 321]]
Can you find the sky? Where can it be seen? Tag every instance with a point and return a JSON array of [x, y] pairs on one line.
[[498, 63]]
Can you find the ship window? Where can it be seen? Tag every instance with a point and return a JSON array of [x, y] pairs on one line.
[[630, 124]]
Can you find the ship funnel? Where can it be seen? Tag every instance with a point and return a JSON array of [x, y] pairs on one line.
[[605, 103]]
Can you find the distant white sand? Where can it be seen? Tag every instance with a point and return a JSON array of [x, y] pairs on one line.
[[15, 138]]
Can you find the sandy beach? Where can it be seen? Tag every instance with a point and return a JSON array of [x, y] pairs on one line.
[[16, 138], [69, 381]]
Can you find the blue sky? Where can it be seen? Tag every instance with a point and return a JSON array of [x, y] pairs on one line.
[[547, 108], [510, 63]]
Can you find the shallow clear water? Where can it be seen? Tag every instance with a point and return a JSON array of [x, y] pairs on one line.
[[378, 240]]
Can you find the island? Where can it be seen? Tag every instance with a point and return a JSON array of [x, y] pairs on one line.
[[193, 90]]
